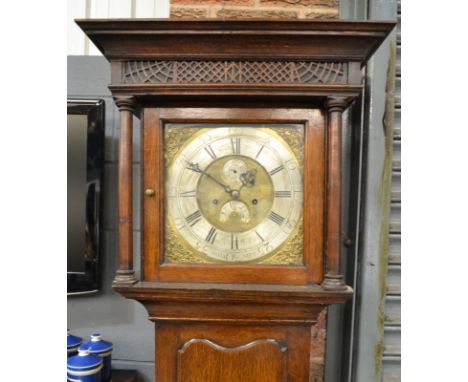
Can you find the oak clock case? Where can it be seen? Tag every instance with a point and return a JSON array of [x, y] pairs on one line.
[[241, 233]]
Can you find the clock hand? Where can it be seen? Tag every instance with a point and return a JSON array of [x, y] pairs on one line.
[[195, 167], [248, 178]]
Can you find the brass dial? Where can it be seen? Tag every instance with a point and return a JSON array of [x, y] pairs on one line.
[[244, 205], [235, 193]]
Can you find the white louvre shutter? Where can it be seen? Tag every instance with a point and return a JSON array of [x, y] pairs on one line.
[[391, 358]]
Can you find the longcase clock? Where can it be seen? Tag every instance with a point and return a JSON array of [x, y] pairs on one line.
[[241, 185]]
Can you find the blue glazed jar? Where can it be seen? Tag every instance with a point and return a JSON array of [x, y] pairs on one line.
[[73, 343], [84, 367], [97, 346]]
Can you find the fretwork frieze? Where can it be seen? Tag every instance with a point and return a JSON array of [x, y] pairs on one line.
[[284, 72]]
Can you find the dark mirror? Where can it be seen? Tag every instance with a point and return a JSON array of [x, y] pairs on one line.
[[85, 166]]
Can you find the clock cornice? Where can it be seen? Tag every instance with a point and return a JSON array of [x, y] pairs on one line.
[[259, 59], [125, 39]]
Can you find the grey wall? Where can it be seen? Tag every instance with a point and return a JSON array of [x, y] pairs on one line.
[[123, 322]]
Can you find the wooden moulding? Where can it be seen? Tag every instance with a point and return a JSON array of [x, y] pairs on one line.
[[179, 93], [144, 55], [226, 361], [242, 303], [154, 265], [241, 39]]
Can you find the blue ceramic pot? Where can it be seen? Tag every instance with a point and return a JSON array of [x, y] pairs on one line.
[[73, 343], [84, 367], [98, 347]]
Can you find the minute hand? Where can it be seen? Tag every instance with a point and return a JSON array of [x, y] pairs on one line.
[[195, 167]]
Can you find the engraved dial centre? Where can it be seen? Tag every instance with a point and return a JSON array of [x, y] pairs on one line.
[[234, 211]]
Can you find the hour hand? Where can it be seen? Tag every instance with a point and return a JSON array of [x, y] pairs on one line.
[[248, 178], [196, 167]]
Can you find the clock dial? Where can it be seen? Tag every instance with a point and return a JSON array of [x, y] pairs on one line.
[[235, 193]]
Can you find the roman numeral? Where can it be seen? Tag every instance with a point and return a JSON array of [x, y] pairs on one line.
[[235, 144], [211, 237], [188, 194], [260, 237], [274, 217], [259, 152], [210, 152], [283, 194], [277, 169], [234, 241], [193, 218]]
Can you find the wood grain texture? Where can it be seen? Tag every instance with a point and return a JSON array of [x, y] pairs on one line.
[[314, 192], [153, 208], [236, 292], [125, 273], [288, 349], [333, 277], [235, 303], [275, 42], [125, 191], [240, 39], [262, 360], [253, 93]]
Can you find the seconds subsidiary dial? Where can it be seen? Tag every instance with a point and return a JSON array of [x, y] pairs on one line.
[[235, 193]]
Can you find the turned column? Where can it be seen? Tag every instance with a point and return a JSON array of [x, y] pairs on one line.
[[125, 274], [333, 278]]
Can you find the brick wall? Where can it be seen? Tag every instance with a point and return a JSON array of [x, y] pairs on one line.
[[248, 9]]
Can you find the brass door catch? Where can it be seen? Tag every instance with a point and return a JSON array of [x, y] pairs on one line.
[[150, 192]]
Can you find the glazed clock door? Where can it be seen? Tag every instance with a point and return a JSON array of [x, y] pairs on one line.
[[231, 192]]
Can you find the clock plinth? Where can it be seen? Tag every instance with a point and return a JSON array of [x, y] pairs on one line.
[[241, 217]]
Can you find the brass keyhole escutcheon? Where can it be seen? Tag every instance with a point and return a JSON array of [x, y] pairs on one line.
[[150, 192]]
